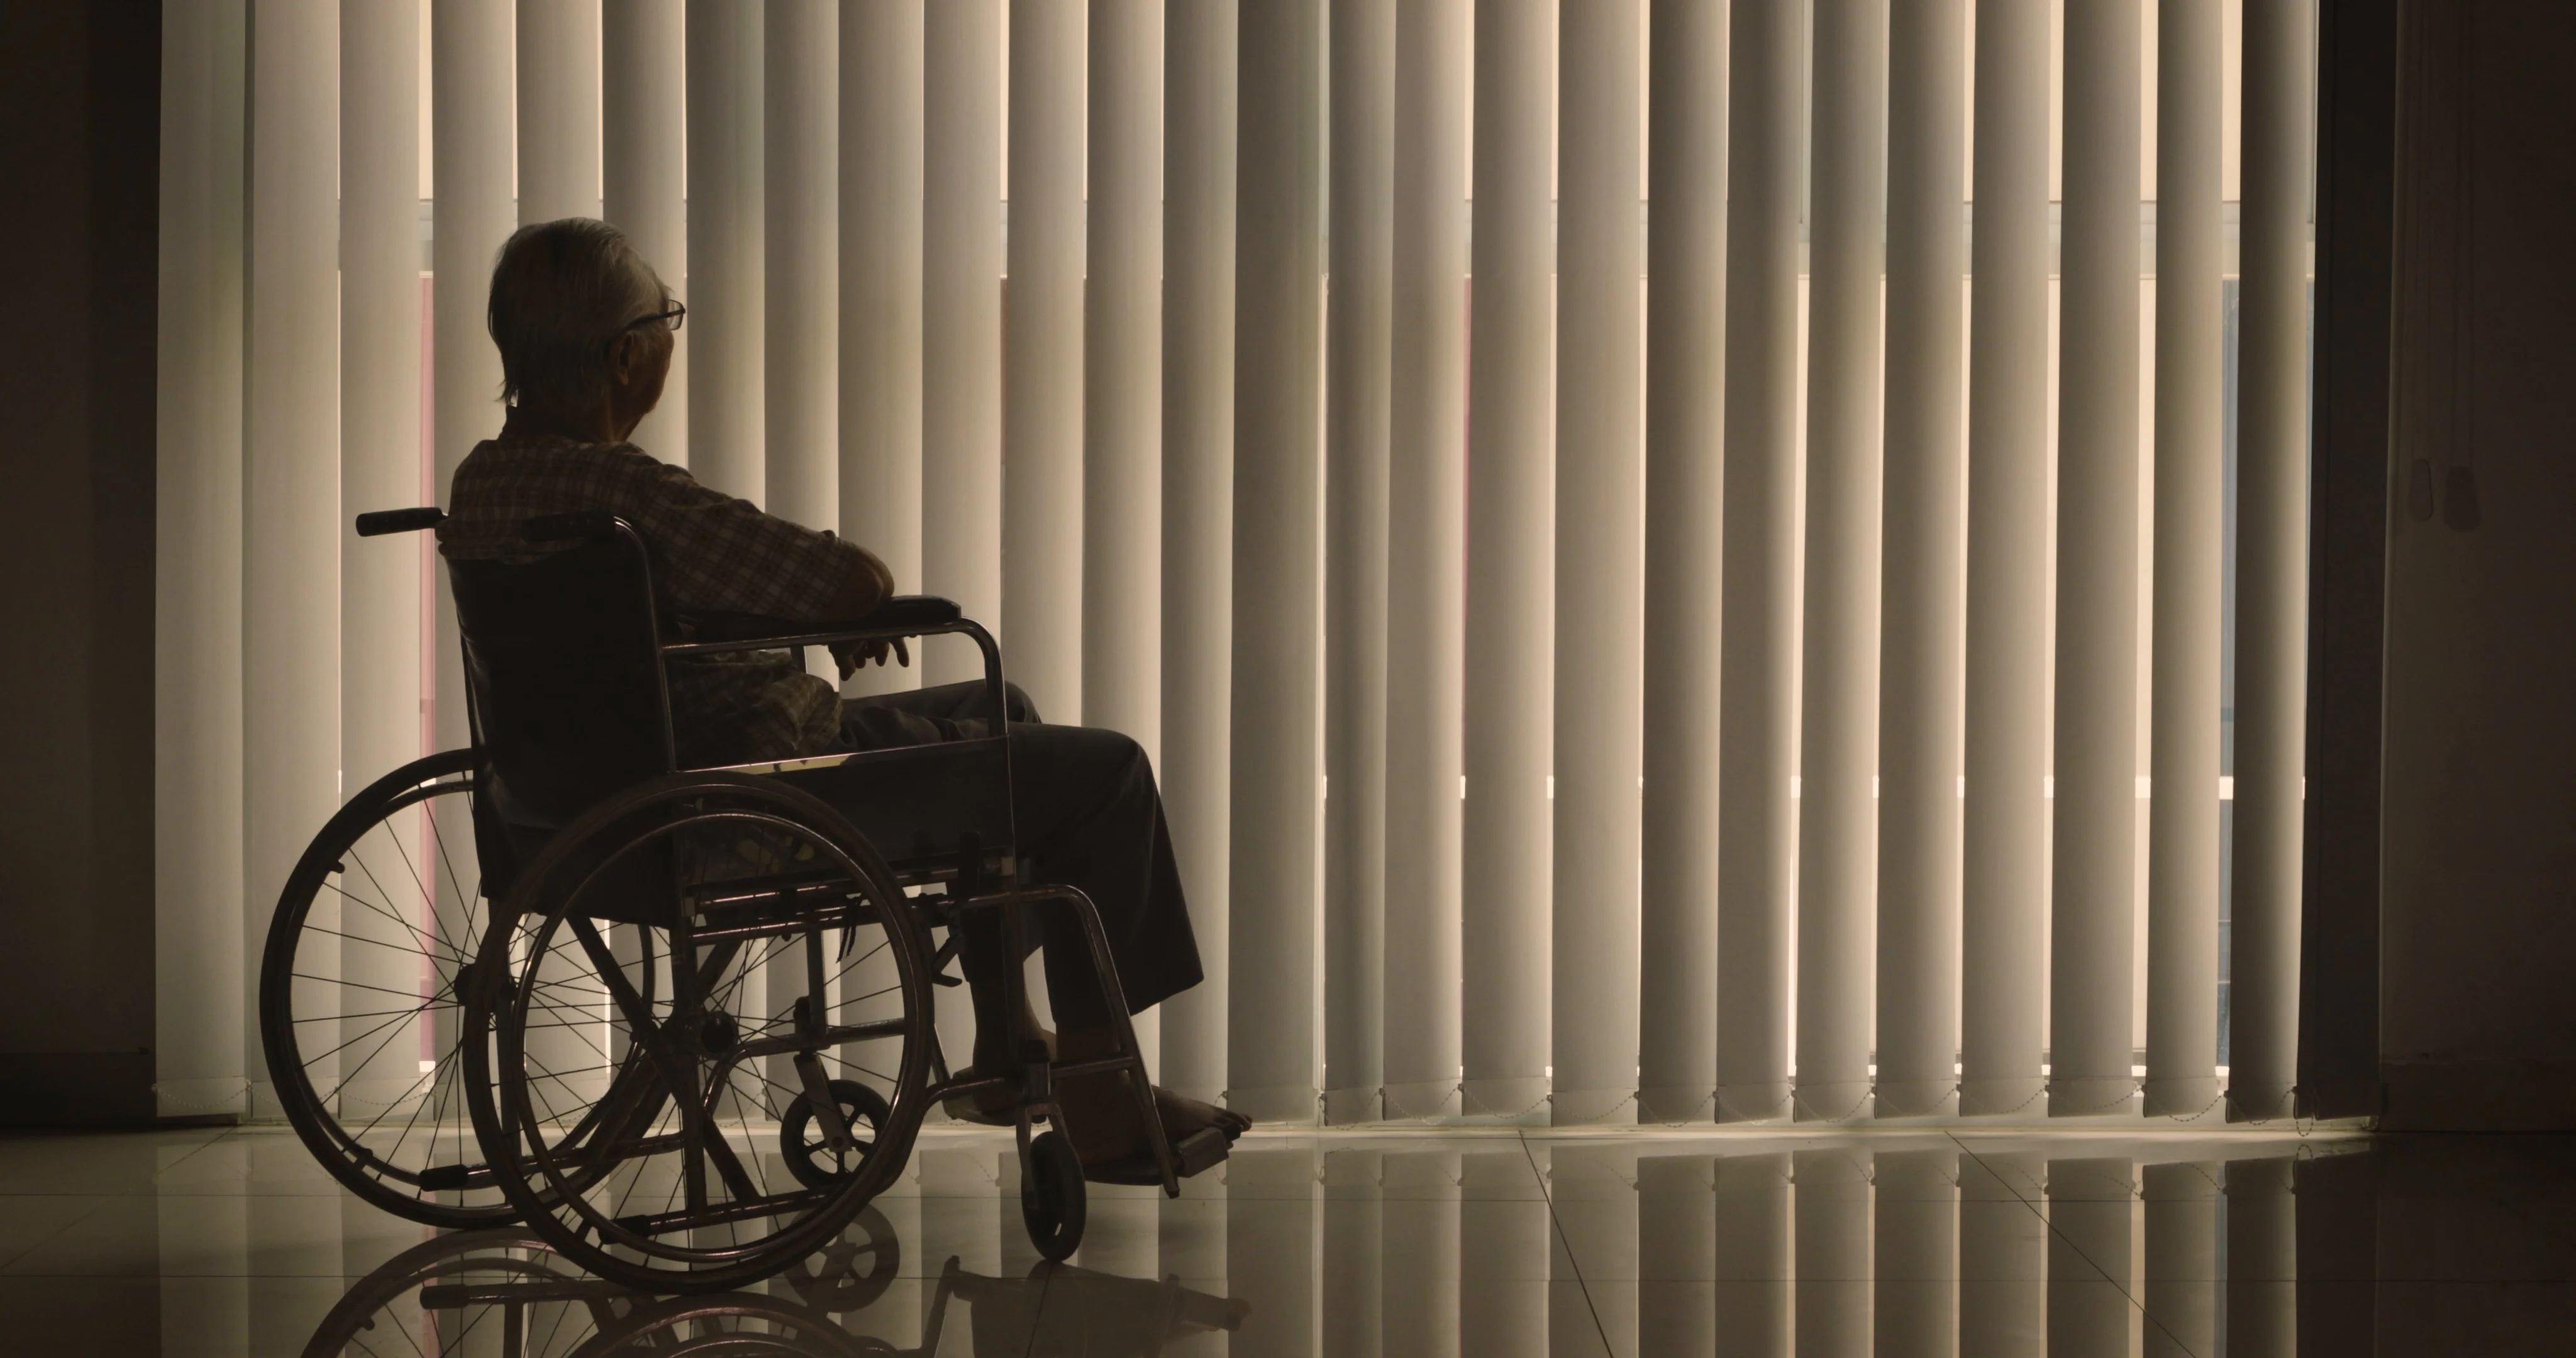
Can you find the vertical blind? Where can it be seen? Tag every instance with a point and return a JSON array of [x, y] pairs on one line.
[[1673, 557]]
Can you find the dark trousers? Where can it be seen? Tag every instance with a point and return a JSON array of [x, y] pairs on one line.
[[1086, 814]]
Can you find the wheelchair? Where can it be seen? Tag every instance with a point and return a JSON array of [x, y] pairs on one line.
[[678, 1022]]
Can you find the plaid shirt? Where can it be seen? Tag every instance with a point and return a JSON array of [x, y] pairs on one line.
[[712, 554]]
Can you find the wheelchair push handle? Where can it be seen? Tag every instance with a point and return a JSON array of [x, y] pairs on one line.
[[580, 524], [384, 521]]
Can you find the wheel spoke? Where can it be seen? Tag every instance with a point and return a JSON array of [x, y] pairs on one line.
[[371, 1032], [405, 924], [427, 893], [371, 1013], [360, 985]]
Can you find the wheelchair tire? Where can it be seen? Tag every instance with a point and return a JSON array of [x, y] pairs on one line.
[[645, 1182], [1053, 1201], [359, 1012], [800, 1140]]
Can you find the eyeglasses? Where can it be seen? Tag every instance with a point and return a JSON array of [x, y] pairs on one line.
[[670, 319]]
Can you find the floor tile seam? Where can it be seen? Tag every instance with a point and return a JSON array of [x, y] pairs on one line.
[[50, 1237], [1567, 1244], [2136, 1302], [151, 1184], [193, 1152]]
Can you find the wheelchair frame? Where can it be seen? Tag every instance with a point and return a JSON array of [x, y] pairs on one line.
[[972, 878]]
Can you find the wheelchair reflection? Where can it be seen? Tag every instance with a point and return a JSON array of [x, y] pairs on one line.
[[505, 1293]]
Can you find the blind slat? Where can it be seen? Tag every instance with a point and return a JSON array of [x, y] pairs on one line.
[[1685, 402], [1122, 488], [291, 501], [881, 296], [557, 63], [1600, 513], [1198, 511], [2093, 856], [2182, 834], [1357, 346], [644, 188], [1426, 558], [380, 468], [1922, 615], [801, 260], [1839, 675], [2272, 561], [726, 288], [961, 347], [1758, 694], [1042, 359], [2004, 827], [1278, 288], [1510, 559]]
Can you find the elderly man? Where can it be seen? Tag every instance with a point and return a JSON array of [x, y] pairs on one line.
[[584, 327]]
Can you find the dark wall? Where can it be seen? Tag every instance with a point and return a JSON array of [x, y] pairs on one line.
[[2478, 959], [80, 97]]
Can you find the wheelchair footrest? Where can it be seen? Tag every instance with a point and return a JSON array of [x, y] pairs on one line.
[[1194, 1154], [1202, 1150]]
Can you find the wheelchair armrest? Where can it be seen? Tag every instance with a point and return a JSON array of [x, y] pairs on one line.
[[906, 611], [901, 616]]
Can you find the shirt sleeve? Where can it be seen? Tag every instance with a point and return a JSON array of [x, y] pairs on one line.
[[719, 554]]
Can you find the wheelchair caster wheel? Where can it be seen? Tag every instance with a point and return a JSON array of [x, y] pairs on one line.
[[809, 1152], [1052, 1200]]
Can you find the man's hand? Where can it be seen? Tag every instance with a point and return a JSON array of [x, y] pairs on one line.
[[853, 656], [864, 590]]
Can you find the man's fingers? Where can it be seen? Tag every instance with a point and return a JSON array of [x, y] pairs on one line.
[[856, 655]]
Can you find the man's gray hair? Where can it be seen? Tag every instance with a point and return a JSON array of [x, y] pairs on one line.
[[561, 293]]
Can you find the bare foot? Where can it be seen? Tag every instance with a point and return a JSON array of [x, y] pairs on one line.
[[1183, 1115], [1100, 1113], [1101, 1118]]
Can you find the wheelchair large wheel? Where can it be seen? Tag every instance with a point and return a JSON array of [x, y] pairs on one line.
[[360, 1013], [679, 965]]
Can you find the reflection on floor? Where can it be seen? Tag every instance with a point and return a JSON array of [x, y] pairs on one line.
[[1396, 1244]]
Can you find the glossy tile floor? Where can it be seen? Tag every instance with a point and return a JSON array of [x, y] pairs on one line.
[[1395, 1244]]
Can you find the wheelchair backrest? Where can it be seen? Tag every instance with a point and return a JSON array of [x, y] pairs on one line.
[[563, 673]]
